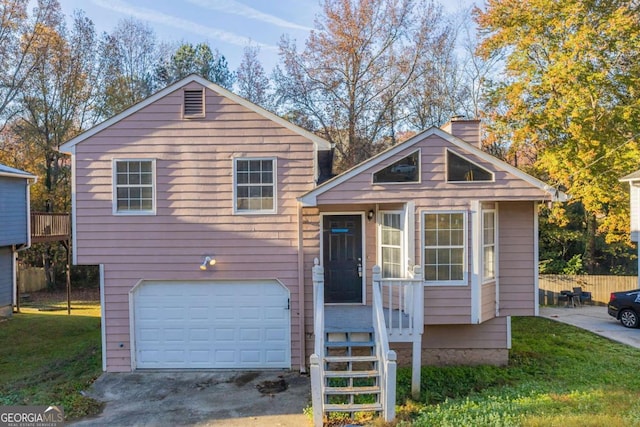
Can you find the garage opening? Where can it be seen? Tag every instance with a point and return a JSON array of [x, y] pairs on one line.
[[211, 325]]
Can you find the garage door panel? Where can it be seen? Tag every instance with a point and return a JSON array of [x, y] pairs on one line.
[[212, 325], [250, 335], [275, 356]]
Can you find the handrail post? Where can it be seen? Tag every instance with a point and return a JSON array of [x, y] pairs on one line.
[[389, 412], [316, 390], [317, 358], [318, 306], [376, 278]]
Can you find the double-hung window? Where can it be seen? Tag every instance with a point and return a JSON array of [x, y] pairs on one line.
[[255, 185], [444, 236], [134, 186], [488, 245], [391, 244]]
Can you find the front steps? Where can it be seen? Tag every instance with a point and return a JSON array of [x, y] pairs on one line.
[[351, 372]]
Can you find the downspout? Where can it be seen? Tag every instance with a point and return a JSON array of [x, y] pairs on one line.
[[536, 261], [14, 277], [301, 307]]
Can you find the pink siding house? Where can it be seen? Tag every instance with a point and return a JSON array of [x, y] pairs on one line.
[[220, 246]]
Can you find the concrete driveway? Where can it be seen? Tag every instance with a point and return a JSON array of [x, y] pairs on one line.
[[205, 398], [594, 319]]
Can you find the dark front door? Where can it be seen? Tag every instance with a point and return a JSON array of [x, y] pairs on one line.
[[342, 258]]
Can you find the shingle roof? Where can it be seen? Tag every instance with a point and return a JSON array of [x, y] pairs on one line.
[[631, 177], [13, 172]]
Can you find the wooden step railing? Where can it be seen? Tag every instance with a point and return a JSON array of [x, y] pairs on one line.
[[403, 303]]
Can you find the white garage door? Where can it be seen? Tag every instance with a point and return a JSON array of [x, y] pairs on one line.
[[182, 325]]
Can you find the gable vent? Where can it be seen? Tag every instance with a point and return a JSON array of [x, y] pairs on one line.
[[193, 103]]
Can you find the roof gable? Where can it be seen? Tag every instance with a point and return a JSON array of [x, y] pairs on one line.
[[309, 199], [635, 176], [69, 146]]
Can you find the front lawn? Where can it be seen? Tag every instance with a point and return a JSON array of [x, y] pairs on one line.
[[48, 358], [558, 375]]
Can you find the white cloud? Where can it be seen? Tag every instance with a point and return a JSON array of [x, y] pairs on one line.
[[237, 8], [179, 23]]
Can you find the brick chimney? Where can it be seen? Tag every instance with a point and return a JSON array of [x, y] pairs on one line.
[[465, 129]]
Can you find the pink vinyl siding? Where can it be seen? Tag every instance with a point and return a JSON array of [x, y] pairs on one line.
[[491, 334], [194, 218], [517, 258], [467, 130], [360, 189], [488, 300], [447, 305]]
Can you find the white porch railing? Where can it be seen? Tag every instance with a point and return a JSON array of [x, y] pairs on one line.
[[397, 315], [386, 357], [403, 303], [316, 359]]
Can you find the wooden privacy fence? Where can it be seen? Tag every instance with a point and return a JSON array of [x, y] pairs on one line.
[[600, 287]]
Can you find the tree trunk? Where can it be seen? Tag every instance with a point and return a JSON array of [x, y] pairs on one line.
[[590, 250]]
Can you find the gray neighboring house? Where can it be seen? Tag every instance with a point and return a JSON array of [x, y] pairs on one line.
[[15, 233]]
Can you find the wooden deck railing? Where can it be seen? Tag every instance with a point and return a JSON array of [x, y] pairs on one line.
[[50, 227]]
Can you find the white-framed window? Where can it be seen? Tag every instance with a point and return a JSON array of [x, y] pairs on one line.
[[461, 169], [405, 170], [444, 236], [134, 185], [254, 185], [488, 245], [391, 244]]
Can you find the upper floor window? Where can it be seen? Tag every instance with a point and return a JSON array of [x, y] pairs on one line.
[[460, 169], [406, 169], [193, 103], [489, 245], [444, 247], [134, 186], [391, 244], [255, 185]]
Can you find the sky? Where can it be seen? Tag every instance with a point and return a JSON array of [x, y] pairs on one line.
[[226, 25]]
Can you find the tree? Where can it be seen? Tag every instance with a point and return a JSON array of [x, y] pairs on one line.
[[438, 92], [57, 100], [356, 67], [569, 98], [19, 34], [199, 59], [128, 57], [251, 80]]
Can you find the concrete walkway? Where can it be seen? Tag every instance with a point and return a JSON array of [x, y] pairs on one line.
[[594, 319]]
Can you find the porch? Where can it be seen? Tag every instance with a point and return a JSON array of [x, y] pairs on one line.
[[342, 318], [352, 357]]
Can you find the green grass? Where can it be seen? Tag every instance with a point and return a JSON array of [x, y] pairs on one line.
[[47, 358], [558, 375]]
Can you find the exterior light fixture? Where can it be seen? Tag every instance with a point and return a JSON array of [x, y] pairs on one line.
[[370, 214], [209, 260]]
